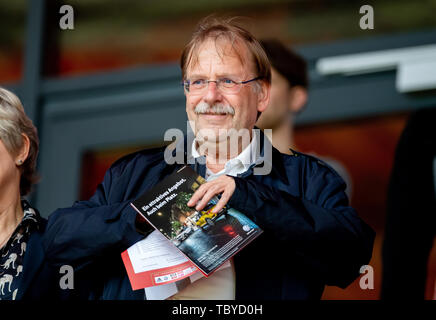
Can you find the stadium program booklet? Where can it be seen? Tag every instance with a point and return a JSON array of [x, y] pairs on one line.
[[188, 240]]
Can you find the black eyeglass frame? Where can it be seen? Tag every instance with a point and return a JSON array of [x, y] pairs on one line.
[[186, 84]]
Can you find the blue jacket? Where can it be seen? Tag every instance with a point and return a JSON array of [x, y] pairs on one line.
[[312, 237]]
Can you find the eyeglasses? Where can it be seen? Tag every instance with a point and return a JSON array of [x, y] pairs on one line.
[[225, 85]]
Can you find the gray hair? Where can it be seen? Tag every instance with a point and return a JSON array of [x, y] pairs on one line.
[[13, 124]]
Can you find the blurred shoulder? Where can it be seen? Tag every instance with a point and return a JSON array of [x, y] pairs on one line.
[[310, 163]]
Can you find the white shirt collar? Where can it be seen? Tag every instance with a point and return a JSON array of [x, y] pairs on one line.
[[236, 165]]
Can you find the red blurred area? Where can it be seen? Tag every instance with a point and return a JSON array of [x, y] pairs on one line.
[[83, 61], [229, 230], [11, 66]]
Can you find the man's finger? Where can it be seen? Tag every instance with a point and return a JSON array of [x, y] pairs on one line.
[[205, 200], [197, 196], [222, 202]]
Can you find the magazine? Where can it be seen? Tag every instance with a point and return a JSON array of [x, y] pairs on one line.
[[205, 237]]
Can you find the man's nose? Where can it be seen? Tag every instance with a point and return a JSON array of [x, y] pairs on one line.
[[212, 94]]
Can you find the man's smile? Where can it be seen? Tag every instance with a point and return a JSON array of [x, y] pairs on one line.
[[214, 118]]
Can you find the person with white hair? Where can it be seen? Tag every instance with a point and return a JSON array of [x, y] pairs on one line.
[[23, 271]]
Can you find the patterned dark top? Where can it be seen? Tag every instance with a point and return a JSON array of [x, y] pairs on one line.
[[12, 253]]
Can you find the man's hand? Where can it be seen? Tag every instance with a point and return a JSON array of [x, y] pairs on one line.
[[223, 185]]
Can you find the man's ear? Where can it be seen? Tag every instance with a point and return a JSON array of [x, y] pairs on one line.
[[263, 96], [297, 99], [24, 151]]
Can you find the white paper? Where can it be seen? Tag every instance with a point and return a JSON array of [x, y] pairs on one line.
[[161, 292], [154, 252]]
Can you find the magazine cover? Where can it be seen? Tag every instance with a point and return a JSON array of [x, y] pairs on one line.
[[207, 238]]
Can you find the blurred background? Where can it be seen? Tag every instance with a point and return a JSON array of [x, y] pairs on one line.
[[112, 86]]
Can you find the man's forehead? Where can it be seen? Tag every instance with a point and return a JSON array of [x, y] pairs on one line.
[[224, 50]]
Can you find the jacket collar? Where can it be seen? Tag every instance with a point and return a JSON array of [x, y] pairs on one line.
[[183, 151]]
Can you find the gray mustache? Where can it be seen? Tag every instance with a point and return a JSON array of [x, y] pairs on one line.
[[218, 108]]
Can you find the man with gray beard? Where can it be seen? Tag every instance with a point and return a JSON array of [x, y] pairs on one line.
[[311, 237]]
